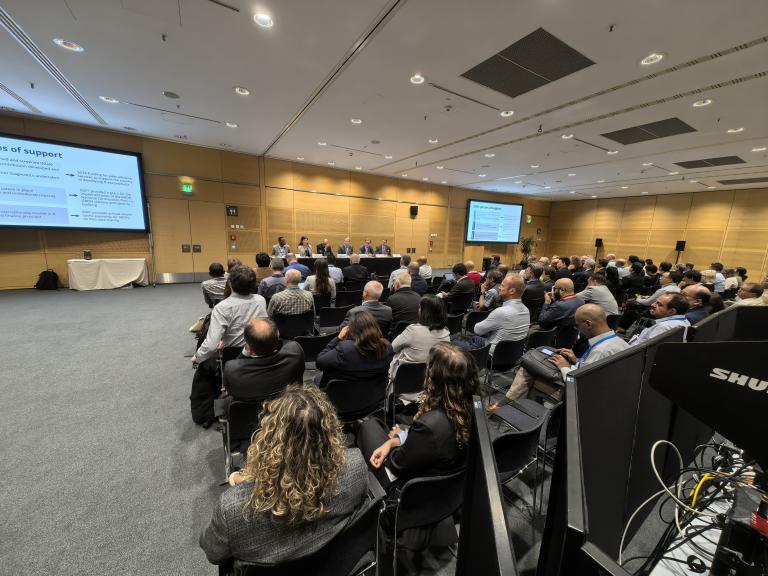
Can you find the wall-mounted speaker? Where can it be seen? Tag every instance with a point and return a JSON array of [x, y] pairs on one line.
[[598, 242], [414, 211], [680, 246]]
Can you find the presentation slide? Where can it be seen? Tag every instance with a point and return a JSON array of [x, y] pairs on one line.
[[64, 186], [492, 222]]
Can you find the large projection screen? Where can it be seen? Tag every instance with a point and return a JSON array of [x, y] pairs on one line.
[[47, 184], [493, 222]]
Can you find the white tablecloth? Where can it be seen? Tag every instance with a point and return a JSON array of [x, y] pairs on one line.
[[104, 273]]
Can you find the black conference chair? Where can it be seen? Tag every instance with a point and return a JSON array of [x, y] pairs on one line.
[[481, 356], [454, 323], [505, 356], [353, 285], [534, 307], [354, 400], [473, 318], [613, 321], [321, 301], [515, 451], [312, 346], [409, 379], [293, 325], [331, 318], [237, 425], [433, 289], [348, 297], [566, 335], [460, 303], [541, 338]]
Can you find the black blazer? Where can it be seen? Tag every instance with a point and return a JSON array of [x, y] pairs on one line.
[[405, 305], [253, 379], [633, 283], [324, 249], [533, 293], [356, 272], [462, 293], [429, 450], [384, 250], [341, 360], [348, 250], [382, 314], [418, 284], [367, 249]]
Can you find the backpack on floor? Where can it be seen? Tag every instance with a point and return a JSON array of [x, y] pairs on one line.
[[48, 280]]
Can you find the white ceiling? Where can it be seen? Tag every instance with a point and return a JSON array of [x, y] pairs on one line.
[[320, 66]]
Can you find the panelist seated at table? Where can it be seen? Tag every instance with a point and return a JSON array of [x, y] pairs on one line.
[[324, 247], [384, 249], [346, 248], [304, 249], [281, 249], [367, 248]]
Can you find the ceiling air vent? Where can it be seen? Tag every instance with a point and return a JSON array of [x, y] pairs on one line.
[[652, 131], [744, 181], [708, 162]]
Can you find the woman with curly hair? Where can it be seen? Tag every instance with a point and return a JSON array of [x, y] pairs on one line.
[[299, 488], [436, 442]]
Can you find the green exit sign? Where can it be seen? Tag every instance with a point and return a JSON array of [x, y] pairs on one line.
[[186, 187], [528, 218]]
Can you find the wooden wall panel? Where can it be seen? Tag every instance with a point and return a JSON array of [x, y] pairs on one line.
[[319, 179], [710, 210], [207, 228], [21, 269], [21, 240], [240, 168], [170, 187], [638, 213], [240, 194], [750, 210], [77, 135], [181, 159], [671, 211], [73, 241], [371, 186], [278, 173]]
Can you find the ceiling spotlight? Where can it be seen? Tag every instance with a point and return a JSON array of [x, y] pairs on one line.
[[356, 120], [417, 79], [534, 165], [647, 163], [518, 181], [404, 175], [693, 181], [231, 125], [388, 156], [433, 140], [572, 192], [702, 103], [624, 187], [759, 149], [600, 181], [481, 175], [425, 178], [443, 182], [241, 91], [299, 158], [593, 196], [674, 173], [643, 192], [358, 167], [68, 45], [264, 20], [321, 143], [566, 136], [109, 99], [735, 130], [612, 152], [331, 163], [652, 58], [571, 174], [506, 113], [171, 95], [439, 167], [710, 187], [547, 187], [490, 155]]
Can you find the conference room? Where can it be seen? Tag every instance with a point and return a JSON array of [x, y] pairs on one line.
[[410, 223]]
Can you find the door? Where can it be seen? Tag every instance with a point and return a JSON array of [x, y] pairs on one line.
[[170, 230], [207, 225]]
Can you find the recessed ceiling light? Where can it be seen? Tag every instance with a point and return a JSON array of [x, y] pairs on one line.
[[693, 181], [643, 192], [299, 158], [735, 130], [68, 45], [674, 173], [231, 125], [571, 174], [404, 175], [534, 165], [624, 187], [356, 120], [425, 178], [358, 167], [481, 175], [593, 196], [600, 181], [759, 149], [388, 156], [490, 155], [171, 95], [711, 187], [321, 143], [439, 167], [612, 152], [547, 187], [701, 103], [652, 58], [264, 20], [572, 192], [109, 99], [443, 182], [566, 136], [647, 163], [433, 140], [331, 163], [417, 79], [506, 113], [518, 181], [241, 91]]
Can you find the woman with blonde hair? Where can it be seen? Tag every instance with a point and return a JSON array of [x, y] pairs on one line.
[[299, 488]]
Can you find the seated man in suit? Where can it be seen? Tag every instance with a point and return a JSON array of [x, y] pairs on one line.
[[280, 249], [324, 247], [367, 248], [533, 295], [381, 313], [266, 366], [418, 283], [560, 305], [346, 248], [355, 272], [511, 320], [384, 249], [462, 292], [698, 298], [404, 301], [598, 293]]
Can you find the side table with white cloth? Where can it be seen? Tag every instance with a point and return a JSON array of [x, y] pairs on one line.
[[105, 273]]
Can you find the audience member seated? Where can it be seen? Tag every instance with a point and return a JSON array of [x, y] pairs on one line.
[[412, 346], [592, 322], [731, 279], [299, 488], [461, 288], [716, 303], [708, 279], [669, 311], [533, 295], [281, 249], [698, 299], [382, 314], [213, 288], [333, 271], [494, 263], [355, 272], [346, 248], [489, 291], [750, 294], [404, 261], [668, 284], [690, 278], [263, 270], [228, 320], [598, 293], [425, 270], [404, 300], [560, 305], [436, 442], [293, 300], [635, 281], [511, 320], [548, 277], [232, 262], [320, 283], [304, 249], [266, 365], [359, 353], [652, 278], [472, 274], [665, 267], [719, 280], [741, 275], [274, 283], [621, 268], [418, 284], [294, 264], [613, 283], [562, 267]]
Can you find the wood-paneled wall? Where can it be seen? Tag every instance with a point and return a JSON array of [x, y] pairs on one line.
[[273, 197], [725, 226]]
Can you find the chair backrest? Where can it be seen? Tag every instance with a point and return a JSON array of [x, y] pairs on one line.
[[567, 334], [436, 280], [426, 501], [385, 294], [433, 288], [613, 321], [534, 307], [481, 356], [347, 297], [515, 450], [507, 353], [454, 323], [541, 338], [409, 379], [475, 317], [243, 418], [333, 316], [322, 301], [398, 327], [313, 345], [460, 303], [552, 426], [294, 325], [353, 285], [356, 399], [230, 353]]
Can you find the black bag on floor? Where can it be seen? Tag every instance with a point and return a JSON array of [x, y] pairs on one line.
[[48, 280]]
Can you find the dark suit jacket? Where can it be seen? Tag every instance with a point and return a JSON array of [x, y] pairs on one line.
[[462, 291], [534, 292], [430, 449], [563, 272], [324, 249], [382, 314], [356, 272], [384, 250], [633, 283], [367, 249], [418, 284], [348, 250], [559, 313], [405, 305], [341, 360], [253, 379]]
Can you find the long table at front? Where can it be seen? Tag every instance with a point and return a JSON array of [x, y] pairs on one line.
[[381, 265]]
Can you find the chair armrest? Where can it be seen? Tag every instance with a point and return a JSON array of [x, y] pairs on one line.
[[375, 491]]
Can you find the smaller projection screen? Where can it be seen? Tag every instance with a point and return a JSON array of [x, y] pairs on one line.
[[55, 185], [493, 222]]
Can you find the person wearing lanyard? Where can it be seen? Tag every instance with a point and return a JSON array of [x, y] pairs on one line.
[[669, 311]]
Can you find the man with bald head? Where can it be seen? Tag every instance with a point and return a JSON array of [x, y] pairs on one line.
[[383, 314], [266, 365], [511, 320], [291, 301], [698, 298], [560, 305]]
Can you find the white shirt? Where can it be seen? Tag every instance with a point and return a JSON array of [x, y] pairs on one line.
[[394, 274], [336, 274], [228, 320], [510, 321], [660, 326], [666, 289], [600, 346]]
